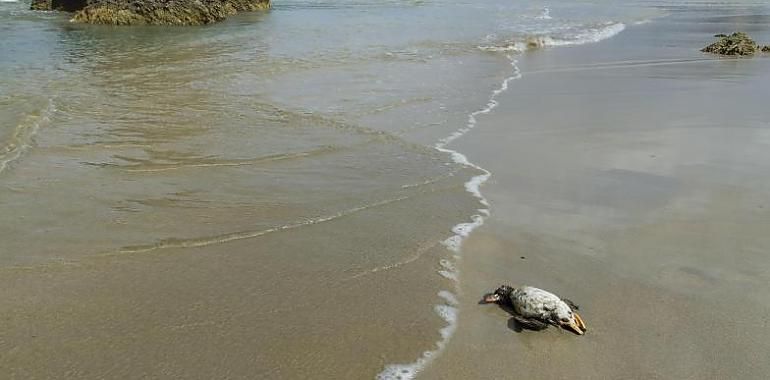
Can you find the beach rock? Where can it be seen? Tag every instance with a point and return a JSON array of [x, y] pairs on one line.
[[58, 5], [154, 12], [41, 5], [735, 44], [766, 49]]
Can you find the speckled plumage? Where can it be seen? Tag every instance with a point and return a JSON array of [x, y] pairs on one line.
[[536, 308], [531, 302]]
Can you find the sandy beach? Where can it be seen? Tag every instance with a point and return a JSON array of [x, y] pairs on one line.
[[295, 194], [630, 176]]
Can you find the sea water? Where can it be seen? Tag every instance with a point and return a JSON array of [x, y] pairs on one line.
[[121, 141]]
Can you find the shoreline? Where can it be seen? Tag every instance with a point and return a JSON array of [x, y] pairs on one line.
[[462, 231], [454, 243], [285, 217], [597, 199]]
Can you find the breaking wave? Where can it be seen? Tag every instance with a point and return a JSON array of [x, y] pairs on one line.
[[563, 36]]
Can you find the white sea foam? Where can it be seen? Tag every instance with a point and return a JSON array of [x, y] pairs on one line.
[[513, 47], [449, 271], [453, 242], [545, 14], [409, 371], [448, 310], [586, 36], [562, 36], [449, 297]]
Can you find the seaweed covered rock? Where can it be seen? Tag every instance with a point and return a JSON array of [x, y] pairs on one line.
[[154, 12], [58, 5], [735, 44], [41, 5]]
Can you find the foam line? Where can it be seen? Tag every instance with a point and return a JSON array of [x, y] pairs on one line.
[[234, 236], [448, 310], [278, 157], [23, 136], [592, 35], [589, 35]]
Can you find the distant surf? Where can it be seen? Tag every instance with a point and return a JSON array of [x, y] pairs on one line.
[[566, 36], [586, 36]]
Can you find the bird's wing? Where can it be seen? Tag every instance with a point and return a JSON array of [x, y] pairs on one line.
[[530, 323]]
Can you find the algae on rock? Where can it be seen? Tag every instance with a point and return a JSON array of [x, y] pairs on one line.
[[58, 5], [735, 44], [153, 12]]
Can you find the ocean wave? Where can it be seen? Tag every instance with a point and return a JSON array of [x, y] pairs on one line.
[[559, 37], [586, 36], [448, 310], [513, 47], [23, 136]]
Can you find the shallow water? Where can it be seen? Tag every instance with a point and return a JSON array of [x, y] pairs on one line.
[[280, 158]]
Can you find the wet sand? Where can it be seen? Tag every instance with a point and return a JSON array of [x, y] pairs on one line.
[[282, 305], [630, 176], [134, 247]]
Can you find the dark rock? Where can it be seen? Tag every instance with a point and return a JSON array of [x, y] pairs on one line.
[[41, 5], [58, 5], [720, 35], [735, 44], [155, 12], [766, 49]]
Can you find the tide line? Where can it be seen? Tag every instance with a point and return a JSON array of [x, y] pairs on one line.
[[448, 309], [226, 238]]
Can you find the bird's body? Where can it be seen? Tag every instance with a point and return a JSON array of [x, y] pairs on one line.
[[530, 302], [536, 308]]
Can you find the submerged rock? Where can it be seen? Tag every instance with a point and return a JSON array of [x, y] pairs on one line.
[[154, 12], [735, 44]]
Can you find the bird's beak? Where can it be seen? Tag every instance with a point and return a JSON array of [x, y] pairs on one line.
[[576, 325], [580, 323], [491, 298]]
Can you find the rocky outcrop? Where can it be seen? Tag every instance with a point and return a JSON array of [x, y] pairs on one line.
[[154, 12], [58, 5], [735, 44], [766, 49]]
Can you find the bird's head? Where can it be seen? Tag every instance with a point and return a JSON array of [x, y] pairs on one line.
[[502, 295], [566, 318]]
